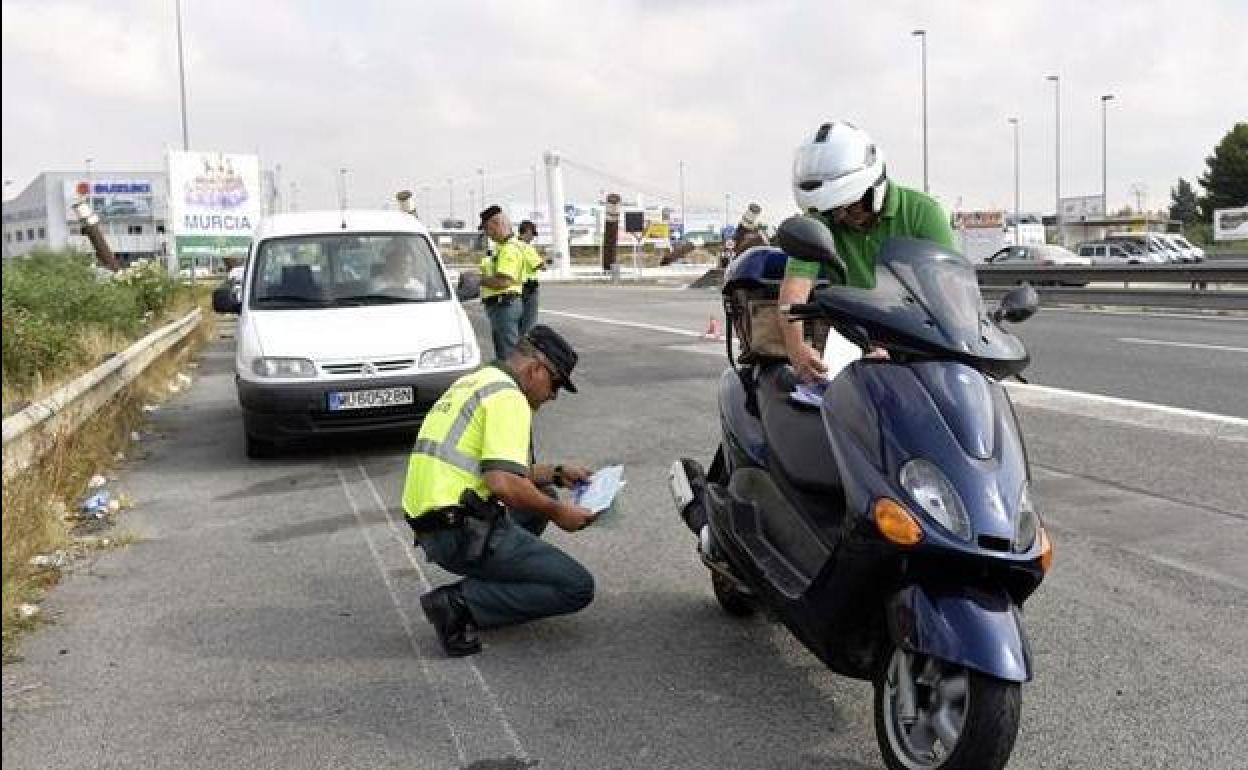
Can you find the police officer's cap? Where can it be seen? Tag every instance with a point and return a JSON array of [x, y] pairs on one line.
[[489, 212], [557, 350]]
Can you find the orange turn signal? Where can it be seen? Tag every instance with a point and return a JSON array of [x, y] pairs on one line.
[[896, 523], [1046, 551]]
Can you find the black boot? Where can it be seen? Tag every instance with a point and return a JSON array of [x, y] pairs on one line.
[[446, 609]]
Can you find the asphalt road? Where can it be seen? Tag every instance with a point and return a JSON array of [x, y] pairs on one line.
[[268, 615]]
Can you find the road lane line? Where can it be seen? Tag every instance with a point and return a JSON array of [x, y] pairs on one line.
[[404, 620], [629, 324], [1201, 346], [1143, 413], [404, 537]]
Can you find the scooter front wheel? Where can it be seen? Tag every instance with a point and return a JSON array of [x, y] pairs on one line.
[[934, 715]]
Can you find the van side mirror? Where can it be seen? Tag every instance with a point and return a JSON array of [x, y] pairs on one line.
[[807, 238], [1018, 305], [469, 286], [223, 300]]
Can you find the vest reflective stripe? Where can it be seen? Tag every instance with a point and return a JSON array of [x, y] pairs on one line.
[[447, 450]]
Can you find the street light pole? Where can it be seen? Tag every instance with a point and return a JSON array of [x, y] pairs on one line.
[[481, 173], [1057, 117], [1018, 217], [450, 198], [922, 35], [683, 226], [1104, 206], [186, 142]]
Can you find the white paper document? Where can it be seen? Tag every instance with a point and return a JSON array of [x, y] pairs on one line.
[[599, 492], [838, 353]]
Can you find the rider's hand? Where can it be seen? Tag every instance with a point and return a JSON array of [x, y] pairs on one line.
[[877, 354], [808, 363], [571, 518]]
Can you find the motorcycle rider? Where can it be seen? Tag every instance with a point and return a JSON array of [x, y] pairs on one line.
[[840, 176]]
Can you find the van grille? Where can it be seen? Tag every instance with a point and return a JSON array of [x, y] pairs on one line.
[[380, 367]]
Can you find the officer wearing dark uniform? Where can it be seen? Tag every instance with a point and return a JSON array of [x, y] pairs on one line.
[[472, 498]]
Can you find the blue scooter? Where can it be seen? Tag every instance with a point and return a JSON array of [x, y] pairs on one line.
[[887, 521]]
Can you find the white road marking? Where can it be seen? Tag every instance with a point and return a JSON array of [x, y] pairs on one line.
[[404, 620], [629, 324], [1201, 346], [404, 537], [1096, 406]]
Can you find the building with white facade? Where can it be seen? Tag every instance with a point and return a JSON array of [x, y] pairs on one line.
[[132, 205]]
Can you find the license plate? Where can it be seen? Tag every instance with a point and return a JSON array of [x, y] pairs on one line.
[[370, 399]]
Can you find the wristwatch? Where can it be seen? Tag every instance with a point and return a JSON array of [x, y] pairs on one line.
[[558, 476]]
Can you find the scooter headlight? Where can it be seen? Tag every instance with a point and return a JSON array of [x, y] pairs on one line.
[[936, 496], [1027, 523]]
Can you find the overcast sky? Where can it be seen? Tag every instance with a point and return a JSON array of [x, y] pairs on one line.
[[407, 94]]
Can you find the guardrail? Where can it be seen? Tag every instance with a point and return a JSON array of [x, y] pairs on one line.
[[1204, 273], [34, 430], [1187, 299]]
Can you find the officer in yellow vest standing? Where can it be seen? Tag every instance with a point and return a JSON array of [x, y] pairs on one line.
[[533, 262], [472, 498], [501, 276]]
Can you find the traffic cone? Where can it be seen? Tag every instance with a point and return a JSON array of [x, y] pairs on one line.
[[713, 331]]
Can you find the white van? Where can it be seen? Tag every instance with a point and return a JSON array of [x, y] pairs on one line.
[[1157, 251], [347, 322]]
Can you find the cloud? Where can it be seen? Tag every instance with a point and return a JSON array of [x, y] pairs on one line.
[[409, 94]]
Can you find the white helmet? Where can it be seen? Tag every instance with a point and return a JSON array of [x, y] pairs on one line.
[[837, 167]]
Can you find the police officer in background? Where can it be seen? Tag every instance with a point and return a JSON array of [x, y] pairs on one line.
[[501, 276], [533, 262], [472, 498]]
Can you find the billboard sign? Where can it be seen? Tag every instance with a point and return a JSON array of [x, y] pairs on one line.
[[215, 203], [1230, 224], [111, 198], [994, 219], [1082, 208]]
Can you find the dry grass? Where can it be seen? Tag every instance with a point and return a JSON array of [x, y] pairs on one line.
[[39, 505]]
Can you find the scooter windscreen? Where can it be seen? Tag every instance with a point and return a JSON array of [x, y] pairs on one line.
[[926, 299]]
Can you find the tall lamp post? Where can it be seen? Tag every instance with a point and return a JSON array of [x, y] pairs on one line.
[[1104, 205], [1057, 138], [186, 142], [450, 198], [1018, 217], [922, 35], [481, 173], [683, 226]]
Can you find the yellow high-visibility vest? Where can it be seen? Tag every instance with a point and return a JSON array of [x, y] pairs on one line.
[[481, 423], [508, 260]]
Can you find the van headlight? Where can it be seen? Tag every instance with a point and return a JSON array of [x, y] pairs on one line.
[[936, 496], [1027, 523], [451, 355], [283, 367]]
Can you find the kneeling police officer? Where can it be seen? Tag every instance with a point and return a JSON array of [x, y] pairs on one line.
[[472, 498]]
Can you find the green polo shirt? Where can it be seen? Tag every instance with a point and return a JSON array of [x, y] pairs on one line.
[[907, 214]]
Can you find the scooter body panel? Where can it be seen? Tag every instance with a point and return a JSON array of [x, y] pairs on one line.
[[976, 628]]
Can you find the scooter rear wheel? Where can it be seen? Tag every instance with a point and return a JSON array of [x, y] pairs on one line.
[[961, 718], [730, 599]]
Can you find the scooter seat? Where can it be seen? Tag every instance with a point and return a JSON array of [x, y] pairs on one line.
[[796, 438]]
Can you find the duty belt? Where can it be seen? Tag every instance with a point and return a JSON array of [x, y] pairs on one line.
[[499, 299]]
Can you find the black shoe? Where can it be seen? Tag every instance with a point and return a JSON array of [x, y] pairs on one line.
[[446, 610]]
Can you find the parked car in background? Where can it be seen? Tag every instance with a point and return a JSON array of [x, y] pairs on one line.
[[1159, 252], [1037, 254], [1114, 253], [1187, 251]]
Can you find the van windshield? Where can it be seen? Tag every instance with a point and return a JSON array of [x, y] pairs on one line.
[[346, 269]]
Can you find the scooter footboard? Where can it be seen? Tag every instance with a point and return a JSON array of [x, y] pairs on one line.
[[976, 628]]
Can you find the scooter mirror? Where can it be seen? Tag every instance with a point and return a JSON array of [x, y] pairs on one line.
[[1017, 305], [807, 238]]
